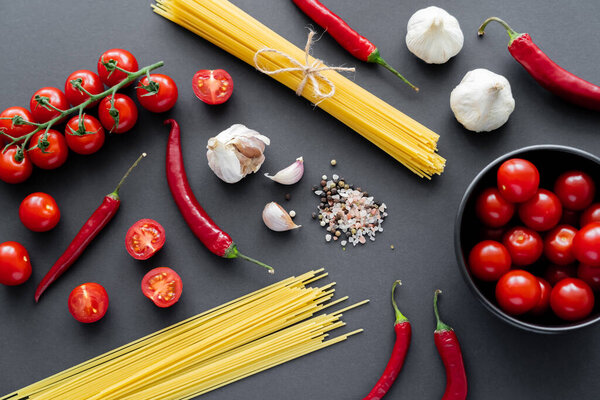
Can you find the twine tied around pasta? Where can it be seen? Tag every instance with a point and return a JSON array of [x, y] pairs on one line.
[[310, 71]]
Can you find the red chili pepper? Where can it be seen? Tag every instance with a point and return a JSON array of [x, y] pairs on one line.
[[357, 45], [213, 237], [546, 72], [92, 227], [449, 349], [394, 365]]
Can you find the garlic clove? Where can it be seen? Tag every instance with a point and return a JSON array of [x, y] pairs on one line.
[[277, 219], [289, 175]]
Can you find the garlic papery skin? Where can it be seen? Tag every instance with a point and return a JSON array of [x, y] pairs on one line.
[[433, 35], [482, 101], [289, 175], [277, 219], [236, 152]]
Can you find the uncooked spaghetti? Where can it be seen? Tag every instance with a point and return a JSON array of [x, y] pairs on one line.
[[233, 30]]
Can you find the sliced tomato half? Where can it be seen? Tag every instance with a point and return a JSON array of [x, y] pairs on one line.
[[144, 239], [163, 286], [213, 86]]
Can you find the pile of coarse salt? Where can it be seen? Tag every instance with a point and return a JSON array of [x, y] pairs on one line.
[[349, 214]]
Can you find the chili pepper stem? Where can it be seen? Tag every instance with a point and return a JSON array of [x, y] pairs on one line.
[[440, 325], [399, 316], [375, 57], [511, 32], [233, 252], [115, 194]]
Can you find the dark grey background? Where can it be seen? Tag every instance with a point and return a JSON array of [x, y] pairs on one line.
[[42, 42]]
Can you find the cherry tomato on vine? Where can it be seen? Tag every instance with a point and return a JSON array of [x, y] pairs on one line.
[[489, 260], [13, 171], [15, 131], [15, 265], [575, 189], [586, 244], [88, 81], [55, 149], [160, 101], [518, 292], [541, 212], [39, 212], [590, 275], [492, 209], [518, 180], [212, 86], [127, 111], [55, 97], [591, 214], [544, 304], [144, 239], [88, 302], [556, 273], [524, 245], [558, 245], [122, 59], [87, 139], [572, 299], [163, 286]]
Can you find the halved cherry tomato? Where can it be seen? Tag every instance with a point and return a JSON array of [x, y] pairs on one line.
[[556, 273], [15, 131], [86, 139], [489, 260], [572, 299], [541, 212], [144, 239], [160, 101], [15, 265], [122, 59], [89, 81], [55, 97], [13, 171], [558, 245], [544, 304], [591, 214], [51, 151], [127, 113], [492, 209], [88, 302], [39, 212], [575, 189], [590, 275], [586, 244], [518, 292], [524, 245], [212, 86], [163, 286], [518, 180]]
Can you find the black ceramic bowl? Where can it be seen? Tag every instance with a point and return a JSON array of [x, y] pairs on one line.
[[551, 161]]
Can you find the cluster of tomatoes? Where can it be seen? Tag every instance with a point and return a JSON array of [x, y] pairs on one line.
[[85, 134], [554, 234]]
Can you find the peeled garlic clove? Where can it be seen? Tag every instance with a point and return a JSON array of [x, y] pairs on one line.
[[277, 219], [291, 174]]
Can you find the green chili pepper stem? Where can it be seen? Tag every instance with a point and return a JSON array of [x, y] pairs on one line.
[[233, 252], [399, 316], [115, 194], [440, 325], [511, 33], [376, 58]]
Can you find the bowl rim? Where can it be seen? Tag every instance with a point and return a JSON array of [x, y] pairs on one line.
[[462, 262]]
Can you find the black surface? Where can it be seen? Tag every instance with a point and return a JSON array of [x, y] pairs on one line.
[[42, 42]]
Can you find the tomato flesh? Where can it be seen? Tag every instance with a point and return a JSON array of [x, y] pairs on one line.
[[39, 212], [212, 86], [144, 239], [88, 302], [163, 286]]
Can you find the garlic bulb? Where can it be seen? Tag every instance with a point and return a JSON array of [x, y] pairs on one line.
[[236, 152], [433, 35], [290, 174], [482, 101], [277, 219]]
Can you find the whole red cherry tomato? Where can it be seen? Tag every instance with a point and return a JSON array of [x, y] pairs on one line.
[[89, 81], [15, 265], [54, 146], [39, 212], [572, 299], [13, 171], [558, 245], [518, 292], [144, 239], [590, 275], [586, 244], [518, 180], [489, 260], [163, 286], [127, 113], [84, 135], [121, 59], [212, 86], [544, 304], [556, 273], [591, 214], [542, 211], [524, 245], [88, 302], [55, 97], [157, 101], [6, 125], [492, 209], [575, 189]]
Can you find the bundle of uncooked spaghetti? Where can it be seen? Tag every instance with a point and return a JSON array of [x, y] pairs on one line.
[[240, 338], [230, 28]]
